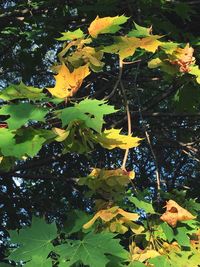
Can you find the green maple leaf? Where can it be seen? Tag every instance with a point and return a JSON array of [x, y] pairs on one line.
[[91, 250], [35, 243], [3, 264], [139, 31], [39, 261], [22, 113], [27, 142], [91, 111], [71, 35], [21, 91]]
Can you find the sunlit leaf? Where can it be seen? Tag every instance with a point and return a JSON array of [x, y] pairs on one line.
[[106, 25], [68, 83], [140, 31], [91, 251], [34, 241], [175, 213], [90, 111], [71, 35], [112, 138]]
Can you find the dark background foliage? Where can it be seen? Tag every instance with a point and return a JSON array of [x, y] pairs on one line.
[[169, 109]]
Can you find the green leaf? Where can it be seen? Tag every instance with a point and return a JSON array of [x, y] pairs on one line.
[[75, 221], [71, 35], [184, 258], [160, 261], [22, 113], [139, 31], [21, 91], [27, 142], [3, 264], [180, 234], [194, 70], [39, 261], [91, 250], [35, 242], [140, 204], [187, 99], [136, 264], [91, 111], [168, 231]]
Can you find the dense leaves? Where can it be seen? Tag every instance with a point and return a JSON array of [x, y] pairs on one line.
[[66, 124]]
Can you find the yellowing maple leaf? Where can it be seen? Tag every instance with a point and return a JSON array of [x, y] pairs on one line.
[[175, 213], [150, 43], [106, 25], [68, 83], [112, 138], [183, 58]]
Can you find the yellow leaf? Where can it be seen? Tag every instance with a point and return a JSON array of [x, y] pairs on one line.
[[106, 25], [62, 134], [112, 138], [123, 46], [175, 213], [150, 43], [1, 158], [67, 83]]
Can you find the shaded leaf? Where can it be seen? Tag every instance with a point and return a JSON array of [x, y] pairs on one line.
[[21, 91], [22, 113]]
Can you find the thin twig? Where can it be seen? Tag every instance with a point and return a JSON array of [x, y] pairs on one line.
[[148, 139], [116, 85], [128, 117]]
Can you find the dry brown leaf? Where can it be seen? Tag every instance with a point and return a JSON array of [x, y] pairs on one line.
[[175, 213]]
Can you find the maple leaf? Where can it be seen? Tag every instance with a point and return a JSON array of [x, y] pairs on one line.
[[21, 91], [35, 242], [68, 83], [123, 46], [150, 43], [22, 113], [183, 58], [175, 213], [112, 138], [92, 250], [90, 111], [194, 70], [71, 35], [126, 46], [106, 25]]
